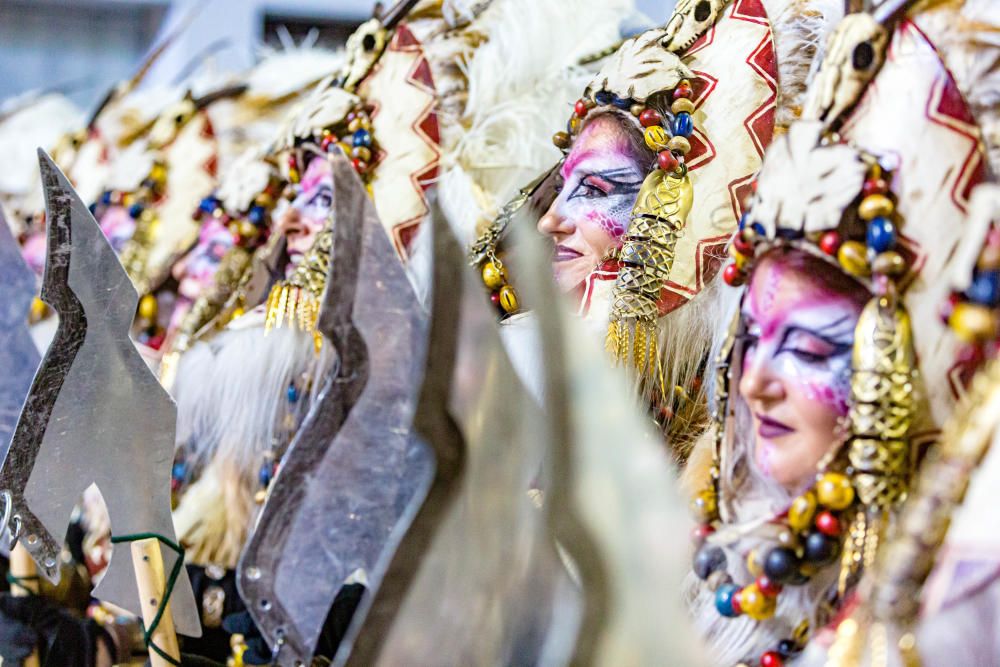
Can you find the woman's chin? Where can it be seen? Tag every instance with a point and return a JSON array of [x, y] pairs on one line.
[[571, 275]]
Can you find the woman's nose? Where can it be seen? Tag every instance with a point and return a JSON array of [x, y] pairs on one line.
[[758, 381], [291, 222], [554, 223]]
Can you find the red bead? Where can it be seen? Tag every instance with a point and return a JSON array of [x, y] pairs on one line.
[[495, 298], [327, 142], [830, 243], [360, 166], [768, 587], [700, 533], [580, 108], [771, 659], [875, 186], [828, 524], [682, 91], [742, 246], [732, 275], [667, 161], [650, 117], [736, 602], [292, 162]]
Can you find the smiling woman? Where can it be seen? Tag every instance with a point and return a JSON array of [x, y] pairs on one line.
[[598, 185]]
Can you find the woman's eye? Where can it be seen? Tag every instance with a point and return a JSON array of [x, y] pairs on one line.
[[588, 191], [809, 357]]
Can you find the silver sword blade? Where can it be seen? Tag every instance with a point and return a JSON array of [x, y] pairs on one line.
[[95, 412], [355, 466]]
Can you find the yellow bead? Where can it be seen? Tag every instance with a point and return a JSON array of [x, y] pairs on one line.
[[973, 322], [345, 148], [989, 260], [574, 124], [801, 511], [234, 228], [354, 125], [158, 173], [656, 138], [889, 263], [562, 139], [493, 276], [264, 199], [739, 258], [148, 307], [853, 258], [247, 229], [38, 309], [704, 506], [873, 206], [682, 105], [679, 144], [754, 563], [637, 109], [755, 604], [508, 299], [362, 153], [834, 491], [293, 175]]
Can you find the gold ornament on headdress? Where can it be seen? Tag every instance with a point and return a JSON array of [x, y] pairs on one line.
[[295, 302], [646, 257]]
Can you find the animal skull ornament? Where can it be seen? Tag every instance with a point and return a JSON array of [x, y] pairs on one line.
[[364, 47], [640, 68], [690, 20], [169, 123], [855, 53]]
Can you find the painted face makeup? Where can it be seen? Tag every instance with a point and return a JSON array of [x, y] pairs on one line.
[[309, 212], [194, 272], [796, 367], [599, 182]]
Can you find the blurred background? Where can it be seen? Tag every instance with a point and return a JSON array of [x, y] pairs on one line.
[[81, 47]]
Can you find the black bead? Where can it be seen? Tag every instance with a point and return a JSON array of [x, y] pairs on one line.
[[709, 559], [780, 565], [787, 648], [821, 549]]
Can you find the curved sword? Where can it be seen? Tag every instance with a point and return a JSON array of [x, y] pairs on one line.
[[355, 466], [95, 412]]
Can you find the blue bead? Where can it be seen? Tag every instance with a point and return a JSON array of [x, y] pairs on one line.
[[265, 474], [683, 125], [106, 197], [293, 394], [621, 102], [724, 600], [179, 471], [744, 219], [758, 228], [93, 208], [257, 215], [363, 138], [208, 204], [985, 288], [603, 98], [135, 210], [881, 234]]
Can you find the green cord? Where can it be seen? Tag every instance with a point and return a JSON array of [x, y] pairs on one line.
[[21, 581], [147, 635]]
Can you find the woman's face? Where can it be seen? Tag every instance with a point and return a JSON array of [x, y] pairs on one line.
[[599, 182], [310, 211], [195, 271], [796, 368]]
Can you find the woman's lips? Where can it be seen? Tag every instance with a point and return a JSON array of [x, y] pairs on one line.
[[564, 254], [772, 428]]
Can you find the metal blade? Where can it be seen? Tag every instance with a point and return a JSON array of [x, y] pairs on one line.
[[19, 358], [95, 413], [355, 466], [473, 580]]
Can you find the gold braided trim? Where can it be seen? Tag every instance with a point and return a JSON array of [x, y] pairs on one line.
[[646, 258]]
